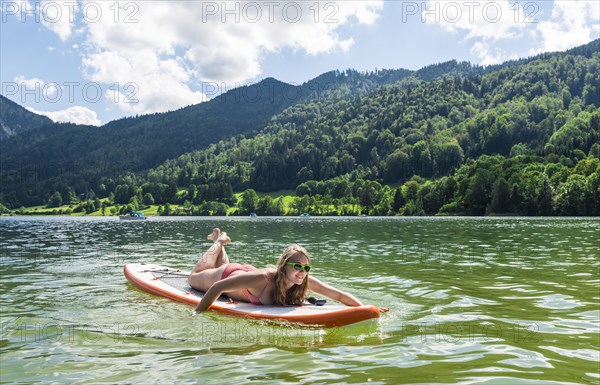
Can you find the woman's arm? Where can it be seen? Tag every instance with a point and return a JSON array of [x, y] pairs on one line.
[[321, 288], [237, 282]]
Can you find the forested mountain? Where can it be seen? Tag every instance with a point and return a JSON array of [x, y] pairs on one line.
[[522, 137], [67, 157], [542, 113], [73, 153]]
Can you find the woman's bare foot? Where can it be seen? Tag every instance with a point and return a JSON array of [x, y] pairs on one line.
[[223, 238], [214, 235]]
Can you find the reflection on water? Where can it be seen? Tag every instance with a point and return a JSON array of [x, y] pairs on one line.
[[473, 300]]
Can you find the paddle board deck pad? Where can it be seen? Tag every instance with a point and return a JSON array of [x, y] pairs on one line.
[[173, 284]]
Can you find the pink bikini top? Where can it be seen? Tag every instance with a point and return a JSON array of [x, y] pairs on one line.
[[251, 298]]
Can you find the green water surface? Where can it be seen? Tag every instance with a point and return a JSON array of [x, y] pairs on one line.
[[472, 301]]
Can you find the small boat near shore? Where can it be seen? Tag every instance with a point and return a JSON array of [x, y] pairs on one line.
[[133, 216]]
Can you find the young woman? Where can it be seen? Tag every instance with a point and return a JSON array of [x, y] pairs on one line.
[[286, 284]]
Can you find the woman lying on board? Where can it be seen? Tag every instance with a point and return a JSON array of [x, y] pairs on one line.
[[286, 284]]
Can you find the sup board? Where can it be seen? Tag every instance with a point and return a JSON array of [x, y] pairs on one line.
[[173, 284]]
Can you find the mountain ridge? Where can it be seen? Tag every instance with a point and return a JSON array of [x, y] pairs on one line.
[[393, 124], [108, 147]]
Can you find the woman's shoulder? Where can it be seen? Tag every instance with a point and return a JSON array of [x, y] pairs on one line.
[[268, 272]]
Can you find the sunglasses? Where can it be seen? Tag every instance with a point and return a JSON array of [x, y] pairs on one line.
[[298, 266]]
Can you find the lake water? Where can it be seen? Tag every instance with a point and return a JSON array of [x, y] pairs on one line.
[[472, 301]]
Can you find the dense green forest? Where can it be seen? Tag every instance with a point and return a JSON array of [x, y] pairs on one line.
[[38, 157], [518, 138]]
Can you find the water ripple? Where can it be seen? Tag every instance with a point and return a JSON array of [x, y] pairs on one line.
[[473, 301]]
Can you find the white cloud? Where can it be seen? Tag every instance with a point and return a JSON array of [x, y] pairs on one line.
[[163, 53], [572, 23], [76, 114], [168, 49], [37, 88], [32, 83], [488, 20], [58, 16], [142, 83], [488, 55]]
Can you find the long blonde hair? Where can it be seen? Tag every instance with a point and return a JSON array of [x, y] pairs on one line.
[[297, 293]]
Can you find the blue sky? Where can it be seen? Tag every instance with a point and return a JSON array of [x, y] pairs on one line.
[[91, 62]]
